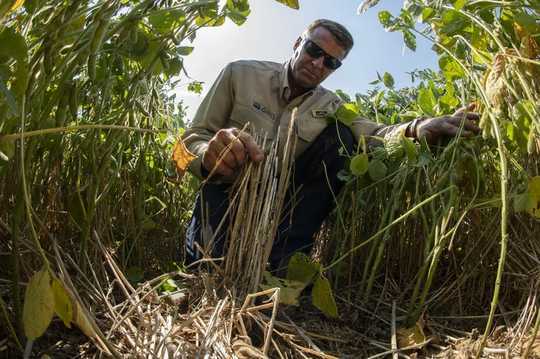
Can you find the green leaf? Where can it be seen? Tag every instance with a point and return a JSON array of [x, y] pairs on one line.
[[410, 149], [166, 21], [169, 285], [289, 290], [359, 164], [175, 66], [238, 11], [323, 298], [427, 14], [13, 44], [385, 18], [377, 170], [38, 305], [290, 3], [533, 205], [184, 50], [342, 95], [347, 113], [301, 268], [459, 4], [7, 149], [63, 307], [196, 87], [388, 80], [409, 39], [449, 99], [450, 68], [426, 101]]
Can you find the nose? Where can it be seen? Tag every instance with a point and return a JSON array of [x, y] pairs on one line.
[[318, 62]]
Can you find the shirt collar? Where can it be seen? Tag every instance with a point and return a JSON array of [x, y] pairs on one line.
[[285, 90]]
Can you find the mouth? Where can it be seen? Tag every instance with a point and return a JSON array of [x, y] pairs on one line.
[[310, 74]]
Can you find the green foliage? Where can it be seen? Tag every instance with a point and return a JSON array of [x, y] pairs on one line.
[[38, 305], [323, 298], [301, 268], [290, 3], [359, 164]]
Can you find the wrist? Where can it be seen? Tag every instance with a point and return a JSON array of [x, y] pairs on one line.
[[412, 128]]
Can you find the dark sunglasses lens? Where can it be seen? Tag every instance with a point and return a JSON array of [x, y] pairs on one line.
[[315, 51], [331, 62]]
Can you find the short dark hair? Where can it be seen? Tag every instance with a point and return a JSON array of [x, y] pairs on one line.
[[341, 34]]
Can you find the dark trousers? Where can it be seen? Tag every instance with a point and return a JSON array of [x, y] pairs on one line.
[[313, 181]]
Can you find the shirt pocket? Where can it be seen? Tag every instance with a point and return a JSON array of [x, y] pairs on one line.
[[259, 122], [309, 127]]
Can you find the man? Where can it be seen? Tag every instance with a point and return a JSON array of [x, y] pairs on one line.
[[265, 94]]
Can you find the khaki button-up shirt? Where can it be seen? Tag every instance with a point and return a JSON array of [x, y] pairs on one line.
[[258, 92]]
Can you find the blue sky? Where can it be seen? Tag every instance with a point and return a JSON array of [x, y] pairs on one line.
[[271, 29]]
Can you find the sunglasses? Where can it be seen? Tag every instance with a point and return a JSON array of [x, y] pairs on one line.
[[316, 52]]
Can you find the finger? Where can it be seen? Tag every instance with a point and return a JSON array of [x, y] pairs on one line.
[[468, 108], [236, 147], [471, 126], [222, 153], [254, 151], [212, 165], [456, 130], [474, 116], [468, 123]]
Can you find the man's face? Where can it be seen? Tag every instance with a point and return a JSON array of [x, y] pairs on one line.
[[308, 71]]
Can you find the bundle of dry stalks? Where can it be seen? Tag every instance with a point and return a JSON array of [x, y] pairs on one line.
[[193, 322], [256, 209]]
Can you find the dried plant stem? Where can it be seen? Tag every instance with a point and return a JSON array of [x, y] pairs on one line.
[[258, 200]]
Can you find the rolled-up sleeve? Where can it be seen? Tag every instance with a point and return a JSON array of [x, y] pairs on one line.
[[212, 115], [364, 127]]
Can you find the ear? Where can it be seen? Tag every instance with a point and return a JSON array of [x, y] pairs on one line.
[[297, 43]]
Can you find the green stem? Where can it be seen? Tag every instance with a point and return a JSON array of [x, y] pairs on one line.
[[48, 131], [382, 230]]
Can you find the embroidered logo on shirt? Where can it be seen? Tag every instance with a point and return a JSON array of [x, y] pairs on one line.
[[261, 108], [319, 113]]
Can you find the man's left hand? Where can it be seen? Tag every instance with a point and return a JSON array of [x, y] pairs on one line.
[[434, 129]]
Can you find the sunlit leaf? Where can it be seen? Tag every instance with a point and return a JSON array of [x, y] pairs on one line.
[[385, 18], [359, 164], [409, 39], [290, 290], [238, 11], [182, 157], [195, 87], [347, 113], [184, 50], [301, 268], [290, 3], [450, 67], [17, 4], [63, 306], [459, 4], [38, 305], [426, 101], [388, 80], [410, 148], [166, 21], [323, 298]]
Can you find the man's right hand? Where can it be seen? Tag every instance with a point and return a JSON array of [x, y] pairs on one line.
[[228, 150]]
